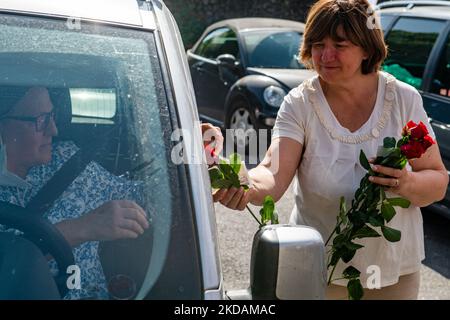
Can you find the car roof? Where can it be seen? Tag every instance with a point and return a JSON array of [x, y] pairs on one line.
[[240, 24], [121, 12], [428, 9]]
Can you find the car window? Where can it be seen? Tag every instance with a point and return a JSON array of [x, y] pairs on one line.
[[93, 105], [410, 42], [386, 20], [103, 87], [441, 79], [272, 49], [220, 41]]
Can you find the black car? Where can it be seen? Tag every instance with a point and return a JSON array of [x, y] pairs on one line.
[[242, 69], [418, 36]]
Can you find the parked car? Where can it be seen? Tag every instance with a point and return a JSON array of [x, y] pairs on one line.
[[243, 68], [119, 83], [418, 36]]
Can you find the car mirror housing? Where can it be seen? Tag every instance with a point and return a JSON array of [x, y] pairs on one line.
[[227, 60], [288, 262]]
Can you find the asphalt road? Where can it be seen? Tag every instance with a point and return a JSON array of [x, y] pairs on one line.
[[236, 230]]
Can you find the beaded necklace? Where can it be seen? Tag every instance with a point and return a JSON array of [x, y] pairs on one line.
[[389, 99]]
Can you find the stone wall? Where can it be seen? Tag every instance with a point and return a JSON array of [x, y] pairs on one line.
[[193, 16]]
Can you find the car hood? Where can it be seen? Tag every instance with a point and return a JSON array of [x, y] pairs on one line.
[[291, 78]]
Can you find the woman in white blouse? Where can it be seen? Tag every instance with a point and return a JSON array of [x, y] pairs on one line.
[[321, 127]]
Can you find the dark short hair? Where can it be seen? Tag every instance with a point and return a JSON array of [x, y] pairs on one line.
[[10, 96], [359, 23]]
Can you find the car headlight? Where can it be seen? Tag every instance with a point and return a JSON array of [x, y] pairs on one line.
[[274, 96]]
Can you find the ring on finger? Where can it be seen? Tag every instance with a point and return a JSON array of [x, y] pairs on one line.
[[396, 183]]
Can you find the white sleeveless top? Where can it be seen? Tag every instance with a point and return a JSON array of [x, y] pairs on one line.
[[330, 169]]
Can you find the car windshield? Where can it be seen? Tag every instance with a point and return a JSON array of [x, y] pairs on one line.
[[98, 91], [272, 49]]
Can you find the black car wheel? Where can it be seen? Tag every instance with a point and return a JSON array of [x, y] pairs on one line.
[[242, 119]]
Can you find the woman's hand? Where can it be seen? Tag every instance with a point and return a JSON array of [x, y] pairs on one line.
[[426, 183], [234, 198], [116, 219], [395, 179], [268, 178]]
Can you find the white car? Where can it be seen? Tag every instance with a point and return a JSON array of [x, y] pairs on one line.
[[117, 76]]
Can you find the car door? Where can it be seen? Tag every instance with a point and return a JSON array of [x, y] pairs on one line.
[[115, 107], [419, 55], [211, 84], [436, 98]]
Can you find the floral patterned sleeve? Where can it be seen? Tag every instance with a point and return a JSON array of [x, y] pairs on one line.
[[93, 187]]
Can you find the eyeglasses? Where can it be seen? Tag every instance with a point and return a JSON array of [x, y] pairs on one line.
[[41, 121]]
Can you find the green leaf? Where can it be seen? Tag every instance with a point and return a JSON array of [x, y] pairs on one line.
[[218, 180], [267, 210], [339, 241], [402, 163], [236, 183], [391, 159], [366, 232], [235, 162], [353, 246], [358, 195], [351, 272], [227, 170], [389, 142], [402, 141], [274, 219], [215, 174], [347, 254], [385, 153], [335, 258], [387, 211], [358, 218], [363, 160], [355, 289], [390, 234], [377, 221], [230, 175], [399, 202], [221, 184]]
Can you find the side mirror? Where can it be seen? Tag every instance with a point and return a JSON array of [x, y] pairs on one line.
[[227, 60], [288, 262]]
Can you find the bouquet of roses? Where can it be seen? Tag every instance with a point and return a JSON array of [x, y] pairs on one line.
[[370, 206]]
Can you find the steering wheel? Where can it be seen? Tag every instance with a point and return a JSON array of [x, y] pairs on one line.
[[43, 234]]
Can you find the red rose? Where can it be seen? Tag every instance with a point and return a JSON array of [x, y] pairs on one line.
[[427, 142], [411, 124], [407, 129], [211, 156], [419, 131], [413, 149]]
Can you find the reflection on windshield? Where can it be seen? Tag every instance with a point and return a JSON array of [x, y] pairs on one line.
[[273, 49]]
